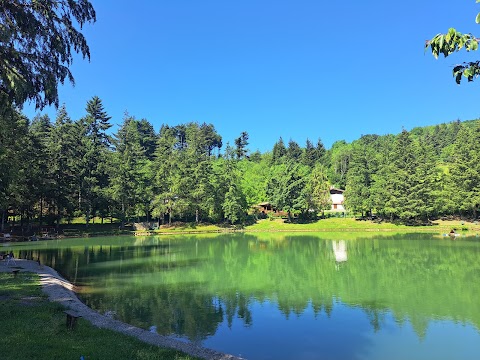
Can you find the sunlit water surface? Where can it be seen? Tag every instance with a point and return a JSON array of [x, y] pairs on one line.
[[278, 296]]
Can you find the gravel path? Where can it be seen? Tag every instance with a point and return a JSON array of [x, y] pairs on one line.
[[60, 290]]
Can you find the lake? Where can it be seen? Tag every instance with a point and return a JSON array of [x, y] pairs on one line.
[[286, 296]]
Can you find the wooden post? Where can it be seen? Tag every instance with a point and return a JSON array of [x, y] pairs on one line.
[[72, 317]]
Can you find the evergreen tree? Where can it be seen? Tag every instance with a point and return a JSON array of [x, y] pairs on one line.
[[380, 192], [402, 168], [36, 42], [62, 154], [148, 138], [39, 181], [14, 161], [362, 167], [92, 176], [465, 170], [425, 189], [320, 151], [234, 204], [165, 169], [128, 161], [294, 151], [309, 155], [208, 137], [241, 144], [279, 151], [197, 171]]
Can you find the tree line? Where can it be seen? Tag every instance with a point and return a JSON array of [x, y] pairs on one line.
[[53, 171]]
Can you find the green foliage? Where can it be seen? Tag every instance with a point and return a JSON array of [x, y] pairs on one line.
[[363, 164], [37, 42], [279, 151], [241, 144], [285, 188], [92, 175], [254, 180], [235, 205], [130, 176], [454, 41], [34, 328], [465, 170], [313, 155], [53, 172], [62, 152], [337, 160], [317, 190], [294, 152]]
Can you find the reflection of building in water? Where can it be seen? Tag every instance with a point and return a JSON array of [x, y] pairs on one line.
[[340, 251]]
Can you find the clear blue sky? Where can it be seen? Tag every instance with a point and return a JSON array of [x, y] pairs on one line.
[[297, 69]]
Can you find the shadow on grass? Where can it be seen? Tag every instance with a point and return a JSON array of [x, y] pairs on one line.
[[39, 332]]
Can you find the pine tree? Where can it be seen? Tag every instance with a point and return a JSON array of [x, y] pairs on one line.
[[126, 171], [309, 155], [62, 154], [294, 152], [165, 169], [234, 205], [362, 167], [39, 177], [241, 144], [279, 151], [92, 176], [465, 170]]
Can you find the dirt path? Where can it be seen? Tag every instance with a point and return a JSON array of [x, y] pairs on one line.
[[61, 291]]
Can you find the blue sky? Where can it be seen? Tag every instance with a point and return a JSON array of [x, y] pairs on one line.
[[297, 69]]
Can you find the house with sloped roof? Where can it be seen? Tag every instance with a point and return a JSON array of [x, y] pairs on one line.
[[337, 198]]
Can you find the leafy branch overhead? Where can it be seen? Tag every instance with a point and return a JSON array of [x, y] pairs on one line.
[[454, 41], [37, 42]]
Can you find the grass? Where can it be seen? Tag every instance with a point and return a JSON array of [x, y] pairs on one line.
[[34, 328], [350, 224], [334, 224], [324, 225], [190, 228]]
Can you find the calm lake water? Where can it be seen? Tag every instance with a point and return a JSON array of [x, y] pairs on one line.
[[278, 296]]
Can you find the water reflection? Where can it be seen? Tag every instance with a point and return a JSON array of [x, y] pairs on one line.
[[340, 251], [230, 291]]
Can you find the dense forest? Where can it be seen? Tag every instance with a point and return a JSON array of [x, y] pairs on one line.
[[53, 171]]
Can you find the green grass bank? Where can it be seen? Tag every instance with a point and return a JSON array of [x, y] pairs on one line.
[[34, 328]]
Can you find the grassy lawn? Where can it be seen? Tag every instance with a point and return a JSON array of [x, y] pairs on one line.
[[326, 225], [190, 228], [350, 224], [34, 328], [277, 225]]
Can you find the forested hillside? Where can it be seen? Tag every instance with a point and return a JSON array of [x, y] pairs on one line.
[[65, 168]]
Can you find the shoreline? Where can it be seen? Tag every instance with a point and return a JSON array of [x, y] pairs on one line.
[[60, 290]]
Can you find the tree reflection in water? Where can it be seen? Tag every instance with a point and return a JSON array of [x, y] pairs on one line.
[[189, 285]]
